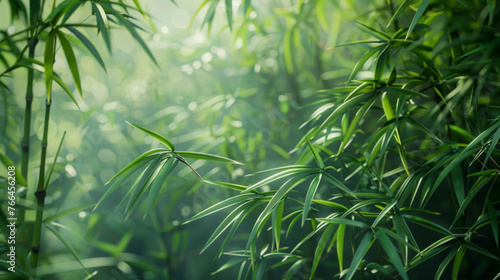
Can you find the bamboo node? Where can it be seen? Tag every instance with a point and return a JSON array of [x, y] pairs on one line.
[[40, 195], [35, 249]]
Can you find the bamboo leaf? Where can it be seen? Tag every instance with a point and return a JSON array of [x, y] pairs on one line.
[[457, 262], [277, 218], [229, 220], [338, 184], [476, 188], [155, 135], [221, 205], [142, 184], [362, 62], [102, 23], [229, 185], [340, 245], [163, 173], [493, 144], [70, 58], [205, 156], [88, 45], [383, 213], [320, 248], [310, 195], [361, 251], [399, 11], [493, 219], [344, 221], [128, 170], [420, 11], [446, 261], [391, 252], [318, 159], [67, 212], [67, 244], [48, 62], [480, 250], [229, 13]]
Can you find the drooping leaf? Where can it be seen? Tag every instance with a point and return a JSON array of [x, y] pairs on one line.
[[70, 58], [361, 251], [86, 42], [48, 62], [420, 11], [205, 156], [155, 135], [310, 195]]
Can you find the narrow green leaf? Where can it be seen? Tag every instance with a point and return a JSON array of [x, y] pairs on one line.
[[361, 251], [277, 197], [391, 252], [49, 62], [362, 62], [310, 195], [330, 204], [229, 13], [383, 213], [340, 245], [142, 184], [139, 160], [88, 45], [70, 58], [476, 188], [229, 185], [420, 11], [318, 159], [158, 182], [480, 250], [132, 30], [446, 261], [277, 218], [102, 23], [354, 123], [382, 61], [222, 205], [246, 5], [344, 221], [457, 262], [155, 135], [491, 10], [229, 220], [374, 32], [320, 248], [428, 224], [338, 184], [493, 144], [457, 160], [290, 172], [67, 244], [493, 219], [67, 212], [399, 11], [205, 156], [128, 170], [49, 174], [232, 262]]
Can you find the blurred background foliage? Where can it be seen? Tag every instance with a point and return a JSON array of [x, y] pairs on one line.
[[239, 83]]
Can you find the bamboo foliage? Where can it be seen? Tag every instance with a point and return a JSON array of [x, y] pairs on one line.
[[417, 127], [51, 26]]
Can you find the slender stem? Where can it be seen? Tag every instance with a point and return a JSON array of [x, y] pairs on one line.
[[40, 193]]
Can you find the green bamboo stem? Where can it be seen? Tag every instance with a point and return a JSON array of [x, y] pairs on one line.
[[40, 193], [25, 144]]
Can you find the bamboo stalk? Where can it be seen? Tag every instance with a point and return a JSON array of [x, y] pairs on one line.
[[25, 143], [40, 193]]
